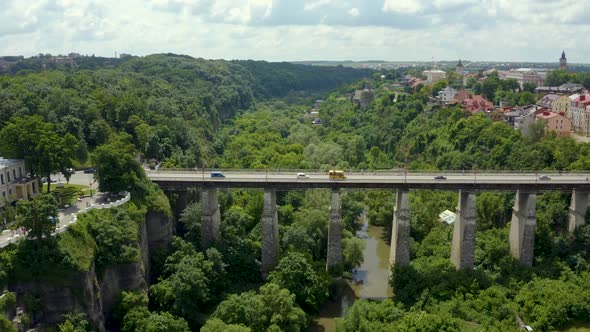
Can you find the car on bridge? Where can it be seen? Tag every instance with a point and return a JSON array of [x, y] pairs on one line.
[[440, 177], [336, 175], [217, 175], [302, 176], [544, 177]]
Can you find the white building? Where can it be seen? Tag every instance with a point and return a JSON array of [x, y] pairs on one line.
[[14, 183], [448, 217], [433, 76], [579, 113], [525, 75], [447, 94]]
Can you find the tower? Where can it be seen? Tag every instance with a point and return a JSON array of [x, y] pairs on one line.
[[563, 61], [459, 68]]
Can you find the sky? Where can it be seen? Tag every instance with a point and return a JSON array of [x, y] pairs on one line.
[[296, 30]]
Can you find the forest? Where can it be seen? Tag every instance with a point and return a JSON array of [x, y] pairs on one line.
[[185, 113]]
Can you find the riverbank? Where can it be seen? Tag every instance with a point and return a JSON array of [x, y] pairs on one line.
[[369, 281]]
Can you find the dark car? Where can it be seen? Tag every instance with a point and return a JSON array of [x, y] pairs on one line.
[[217, 175], [89, 170], [440, 177], [544, 177]]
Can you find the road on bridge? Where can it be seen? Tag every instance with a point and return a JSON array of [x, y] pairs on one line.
[[425, 180]]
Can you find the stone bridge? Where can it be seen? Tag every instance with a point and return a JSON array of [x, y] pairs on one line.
[[522, 228]]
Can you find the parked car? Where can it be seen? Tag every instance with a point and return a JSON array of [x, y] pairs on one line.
[[217, 175], [440, 177], [544, 177], [89, 170], [302, 176]]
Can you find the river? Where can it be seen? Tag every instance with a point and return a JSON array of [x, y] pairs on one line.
[[369, 281]]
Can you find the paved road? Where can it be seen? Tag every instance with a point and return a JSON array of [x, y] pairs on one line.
[[65, 215], [376, 180]]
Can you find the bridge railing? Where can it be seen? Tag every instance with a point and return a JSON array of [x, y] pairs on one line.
[[208, 171]]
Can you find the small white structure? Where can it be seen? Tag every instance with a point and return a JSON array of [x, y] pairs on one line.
[[447, 94], [447, 217]]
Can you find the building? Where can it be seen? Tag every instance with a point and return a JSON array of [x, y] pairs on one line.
[[522, 118], [6, 65], [556, 103], [472, 103], [496, 115], [556, 122], [579, 113], [447, 94], [62, 60], [435, 75], [563, 61], [547, 100], [447, 217], [459, 69], [14, 182], [567, 88], [525, 75]]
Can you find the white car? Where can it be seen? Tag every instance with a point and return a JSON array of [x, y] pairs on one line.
[[302, 176]]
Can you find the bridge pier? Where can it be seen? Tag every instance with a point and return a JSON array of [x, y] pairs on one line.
[[577, 211], [463, 249], [522, 227], [270, 232], [210, 218], [400, 230], [334, 259]]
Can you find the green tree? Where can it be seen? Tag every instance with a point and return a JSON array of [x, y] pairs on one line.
[[116, 168], [191, 219], [6, 325], [38, 216], [100, 132], [133, 315], [190, 283], [35, 141], [295, 273], [272, 309], [75, 322], [352, 252], [439, 85], [216, 324], [529, 87]]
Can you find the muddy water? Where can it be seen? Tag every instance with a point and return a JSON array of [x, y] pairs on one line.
[[369, 281]]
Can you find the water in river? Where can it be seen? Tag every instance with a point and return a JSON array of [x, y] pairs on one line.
[[370, 280]]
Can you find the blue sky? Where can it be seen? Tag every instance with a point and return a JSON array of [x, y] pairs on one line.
[[395, 30]]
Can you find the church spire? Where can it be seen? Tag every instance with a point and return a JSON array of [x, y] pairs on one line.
[[563, 61]]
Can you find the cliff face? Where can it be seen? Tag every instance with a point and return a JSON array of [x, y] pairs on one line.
[[160, 230], [57, 300], [124, 277], [97, 295]]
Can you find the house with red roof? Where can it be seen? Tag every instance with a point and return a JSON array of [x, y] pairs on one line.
[[472, 103]]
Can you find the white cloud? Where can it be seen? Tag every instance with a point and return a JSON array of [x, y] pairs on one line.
[[316, 4], [533, 30], [402, 6]]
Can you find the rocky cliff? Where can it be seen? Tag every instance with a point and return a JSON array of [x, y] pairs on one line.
[[93, 294]]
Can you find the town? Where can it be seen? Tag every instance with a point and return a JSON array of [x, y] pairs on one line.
[[563, 109]]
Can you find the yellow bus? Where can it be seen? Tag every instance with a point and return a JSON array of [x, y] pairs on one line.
[[336, 175]]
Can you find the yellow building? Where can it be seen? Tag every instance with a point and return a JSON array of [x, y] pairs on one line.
[[561, 104]]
